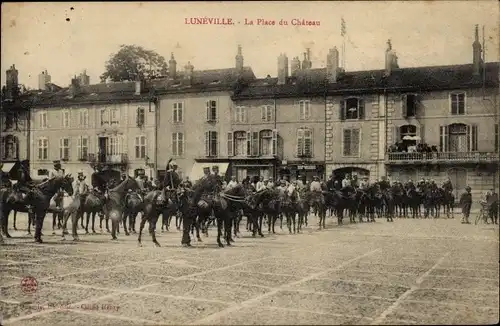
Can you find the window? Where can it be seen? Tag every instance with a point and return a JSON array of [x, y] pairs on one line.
[[497, 138], [240, 114], [458, 137], [141, 117], [240, 143], [43, 148], [115, 116], [113, 146], [457, 103], [104, 117], [178, 112], [10, 148], [253, 143], [351, 142], [305, 110], [211, 110], [42, 172], [211, 143], [407, 135], [266, 142], [42, 119], [83, 118], [304, 142], [352, 109], [267, 113], [64, 149], [65, 119], [83, 148], [178, 144], [140, 147], [409, 102]]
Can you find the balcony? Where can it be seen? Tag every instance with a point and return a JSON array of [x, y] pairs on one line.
[[441, 157], [112, 159]]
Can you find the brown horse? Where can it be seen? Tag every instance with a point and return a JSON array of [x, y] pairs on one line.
[[115, 203]]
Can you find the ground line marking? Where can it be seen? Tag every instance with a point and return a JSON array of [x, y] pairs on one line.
[[212, 317], [406, 294], [111, 316]]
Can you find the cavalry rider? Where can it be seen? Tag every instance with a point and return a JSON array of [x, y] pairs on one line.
[[141, 182], [384, 183], [316, 190], [187, 183], [363, 184], [346, 182], [81, 189], [57, 172], [206, 174], [233, 183], [330, 184], [448, 186], [354, 181], [172, 179], [409, 185], [24, 182], [216, 177]]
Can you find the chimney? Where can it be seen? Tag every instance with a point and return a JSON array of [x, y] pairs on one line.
[[239, 60], [11, 85], [74, 88], [391, 59], [84, 79], [477, 61], [282, 69], [172, 71], [332, 65], [43, 79], [188, 72], [295, 66]]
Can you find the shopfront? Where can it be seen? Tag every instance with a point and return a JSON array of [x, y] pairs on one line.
[[294, 171], [242, 168]]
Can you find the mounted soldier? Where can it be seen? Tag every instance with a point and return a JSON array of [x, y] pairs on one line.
[[330, 184], [384, 183], [141, 182], [216, 177], [82, 190], [172, 179], [447, 185], [57, 171]]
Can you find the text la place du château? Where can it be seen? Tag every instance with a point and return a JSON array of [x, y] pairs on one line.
[[250, 22]]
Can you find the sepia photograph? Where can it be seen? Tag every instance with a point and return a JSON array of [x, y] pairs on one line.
[[250, 163]]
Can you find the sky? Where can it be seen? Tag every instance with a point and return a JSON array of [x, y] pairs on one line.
[[66, 38]]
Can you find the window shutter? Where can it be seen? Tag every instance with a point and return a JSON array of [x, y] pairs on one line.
[[308, 137], [404, 107], [300, 142], [263, 113], [342, 110], [230, 146], [443, 138], [207, 143], [301, 110], [471, 138], [361, 108], [422, 134], [207, 104], [275, 142], [249, 143], [255, 143], [346, 142], [356, 141], [244, 109], [397, 135]]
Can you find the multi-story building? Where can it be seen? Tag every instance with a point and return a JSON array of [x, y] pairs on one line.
[[381, 122], [81, 125], [278, 124], [194, 116], [14, 125]]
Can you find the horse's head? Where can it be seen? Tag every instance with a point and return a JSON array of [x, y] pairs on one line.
[[67, 184]]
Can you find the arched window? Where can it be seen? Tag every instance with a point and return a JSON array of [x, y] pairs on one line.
[[10, 145], [266, 142], [408, 135], [240, 143]]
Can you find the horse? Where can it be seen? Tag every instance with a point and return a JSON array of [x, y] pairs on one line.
[[154, 203], [39, 198], [92, 206], [133, 206], [447, 200], [268, 202], [115, 203], [289, 207]]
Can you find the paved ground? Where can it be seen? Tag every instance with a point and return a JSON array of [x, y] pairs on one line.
[[406, 272]]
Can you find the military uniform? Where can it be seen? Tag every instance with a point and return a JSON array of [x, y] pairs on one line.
[[466, 203]]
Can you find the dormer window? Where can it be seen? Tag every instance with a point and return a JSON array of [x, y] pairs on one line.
[[352, 109]]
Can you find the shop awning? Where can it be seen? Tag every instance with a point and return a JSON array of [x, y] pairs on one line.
[[7, 167], [197, 170]]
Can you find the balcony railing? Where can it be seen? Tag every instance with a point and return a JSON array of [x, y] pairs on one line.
[[443, 157], [112, 158]]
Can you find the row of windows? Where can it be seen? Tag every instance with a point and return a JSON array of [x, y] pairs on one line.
[[112, 145]]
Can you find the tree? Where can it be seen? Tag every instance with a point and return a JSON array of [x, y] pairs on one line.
[[133, 61]]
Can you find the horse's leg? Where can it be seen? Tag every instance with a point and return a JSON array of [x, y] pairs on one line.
[[15, 217], [126, 215], [87, 220], [5, 221], [141, 226], [289, 222], [152, 227], [39, 218], [197, 226], [219, 231]]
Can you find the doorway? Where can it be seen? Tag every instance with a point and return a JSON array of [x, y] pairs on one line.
[[458, 177]]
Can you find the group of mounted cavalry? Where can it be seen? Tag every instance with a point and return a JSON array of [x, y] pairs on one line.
[[210, 200]]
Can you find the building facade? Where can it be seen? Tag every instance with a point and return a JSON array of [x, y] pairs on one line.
[[417, 123], [111, 123], [194, 117], [14, 124]]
